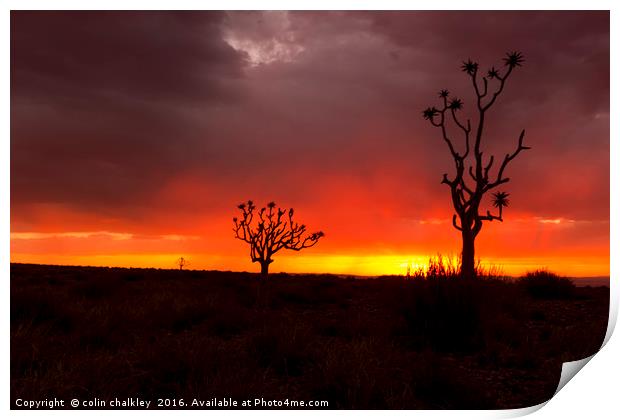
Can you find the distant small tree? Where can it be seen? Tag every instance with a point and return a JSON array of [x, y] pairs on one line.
[[181, 262], [270, 231], [467, 193]]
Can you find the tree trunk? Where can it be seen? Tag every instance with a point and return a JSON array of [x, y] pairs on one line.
[[264, 270], [468, 268]]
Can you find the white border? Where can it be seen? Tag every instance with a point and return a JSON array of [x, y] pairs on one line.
[[594, 393]]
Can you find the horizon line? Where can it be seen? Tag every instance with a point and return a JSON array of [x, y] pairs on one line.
[[607, 276]]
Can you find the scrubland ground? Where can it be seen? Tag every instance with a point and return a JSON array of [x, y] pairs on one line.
[[389, 342]]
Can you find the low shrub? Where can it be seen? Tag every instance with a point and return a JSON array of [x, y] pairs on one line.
[[543, 284]]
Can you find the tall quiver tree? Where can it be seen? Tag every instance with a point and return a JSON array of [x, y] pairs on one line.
[[269, 231], [473, 177]]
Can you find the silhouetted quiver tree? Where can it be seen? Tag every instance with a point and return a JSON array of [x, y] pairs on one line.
[[269, 230], [473, 177]]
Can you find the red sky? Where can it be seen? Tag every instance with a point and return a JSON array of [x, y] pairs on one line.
[[134, 135]]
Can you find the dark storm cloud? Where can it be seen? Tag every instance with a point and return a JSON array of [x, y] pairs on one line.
[[109, 107], [149, 55], [99, 101]]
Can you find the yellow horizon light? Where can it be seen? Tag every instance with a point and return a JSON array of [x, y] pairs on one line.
[[362, 265]]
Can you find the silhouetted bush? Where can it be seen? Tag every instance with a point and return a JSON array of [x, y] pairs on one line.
[[442, 310], [543, 284]]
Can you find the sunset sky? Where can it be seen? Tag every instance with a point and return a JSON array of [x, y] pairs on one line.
[[134, 135]]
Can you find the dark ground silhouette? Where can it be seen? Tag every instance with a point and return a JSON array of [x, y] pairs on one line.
[[81, 332]]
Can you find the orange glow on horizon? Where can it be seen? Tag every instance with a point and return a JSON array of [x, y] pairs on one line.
[[385, 246]]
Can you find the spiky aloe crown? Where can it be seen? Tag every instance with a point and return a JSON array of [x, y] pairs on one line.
[[513, 59], [500, 199]]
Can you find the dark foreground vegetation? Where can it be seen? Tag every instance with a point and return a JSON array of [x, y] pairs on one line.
[[357, 343]]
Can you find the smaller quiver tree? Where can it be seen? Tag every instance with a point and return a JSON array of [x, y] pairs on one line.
[[270, 230]]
